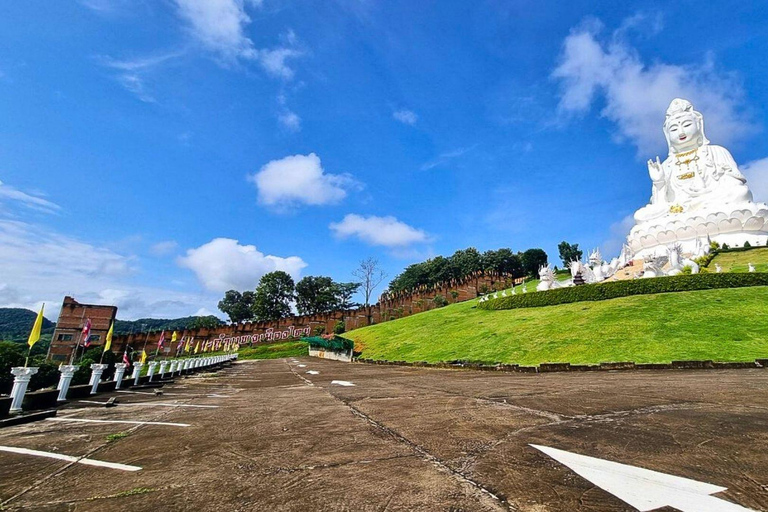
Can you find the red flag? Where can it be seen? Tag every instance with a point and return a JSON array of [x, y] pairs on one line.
[[85, 336], [161, 341]]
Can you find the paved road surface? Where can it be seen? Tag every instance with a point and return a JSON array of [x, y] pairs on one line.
[[273, 437]]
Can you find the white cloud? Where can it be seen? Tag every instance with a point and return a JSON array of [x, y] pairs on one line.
[[406, 116], [447, 156], [10, 194], [163, 248], [300, 179], [223, 264], [219, 25], [756, 173], [637, 94], [386, 231], [274, 61], [290, 120], [133, 73]]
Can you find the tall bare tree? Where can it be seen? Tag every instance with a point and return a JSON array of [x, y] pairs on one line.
[[370, 275]]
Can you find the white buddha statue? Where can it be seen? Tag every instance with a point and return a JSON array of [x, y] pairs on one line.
[[697, 192]]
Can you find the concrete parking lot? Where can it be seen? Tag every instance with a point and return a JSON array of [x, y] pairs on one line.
[[309, 434]]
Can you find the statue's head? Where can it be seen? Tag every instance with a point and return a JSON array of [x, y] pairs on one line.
[[683, 127]]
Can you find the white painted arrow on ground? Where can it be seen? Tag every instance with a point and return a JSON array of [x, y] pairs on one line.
[[642, 488]]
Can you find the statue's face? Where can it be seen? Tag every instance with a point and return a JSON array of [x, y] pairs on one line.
[[683, 131]]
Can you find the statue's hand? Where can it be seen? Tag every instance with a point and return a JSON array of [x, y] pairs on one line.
[[655, 170]]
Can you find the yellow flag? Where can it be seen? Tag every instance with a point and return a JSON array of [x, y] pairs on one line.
[[197, 346], [108, 343], [143, 357], [174, 336], [34, 336], [186, 347]]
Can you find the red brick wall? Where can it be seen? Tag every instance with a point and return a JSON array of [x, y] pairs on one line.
[[389, 307]]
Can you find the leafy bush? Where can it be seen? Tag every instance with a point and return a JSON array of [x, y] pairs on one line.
[[11, 354], [440, 301], [339, 328], [336, 343], [615, 289]]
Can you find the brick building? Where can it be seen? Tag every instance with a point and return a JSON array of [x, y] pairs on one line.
[[70, 324]]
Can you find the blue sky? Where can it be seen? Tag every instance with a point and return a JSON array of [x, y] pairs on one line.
[[155, 153]]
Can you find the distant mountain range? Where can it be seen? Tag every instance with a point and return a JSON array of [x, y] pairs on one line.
[[15, 324]]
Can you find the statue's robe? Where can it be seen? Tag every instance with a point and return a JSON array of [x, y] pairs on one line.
[[711, 180]]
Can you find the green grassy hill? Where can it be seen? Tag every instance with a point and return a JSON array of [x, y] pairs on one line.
[[738, 261], [723, 325]]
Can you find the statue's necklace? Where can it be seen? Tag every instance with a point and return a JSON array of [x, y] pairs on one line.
[[687, 158]]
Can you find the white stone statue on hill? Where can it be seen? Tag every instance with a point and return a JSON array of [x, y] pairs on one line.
[[677, 261], [697, 192], [547, 280]]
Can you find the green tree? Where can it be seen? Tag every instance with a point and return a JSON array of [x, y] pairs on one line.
[[315, 294], [344, 293], [273, 296], [532, 259], [569, 252], [11, 354], [209, 322], [237, 306], [465, 262], [503, 261]]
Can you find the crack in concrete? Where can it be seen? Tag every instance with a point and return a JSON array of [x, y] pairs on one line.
[[66, 467], [283, 470], [492, 498]]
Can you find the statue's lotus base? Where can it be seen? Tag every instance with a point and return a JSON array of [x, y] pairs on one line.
[[743, 223]]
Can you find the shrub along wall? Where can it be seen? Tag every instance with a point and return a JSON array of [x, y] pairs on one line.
[[616, 289]]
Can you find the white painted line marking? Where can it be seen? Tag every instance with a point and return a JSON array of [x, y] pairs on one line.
[[642, 488], [217, 396], [152, 404], [313, 372], [83, 420], [302, 366], [69, 458], [342, 383]]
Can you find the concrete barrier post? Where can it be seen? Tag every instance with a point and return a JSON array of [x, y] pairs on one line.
[[21, 377], [119, 373], [96, 371], [164, 365], [136, 373], [151, 369], [67, 372]]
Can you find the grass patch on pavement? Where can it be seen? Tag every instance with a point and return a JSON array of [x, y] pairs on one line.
[[274, 350], [723, 325], [116, 437]]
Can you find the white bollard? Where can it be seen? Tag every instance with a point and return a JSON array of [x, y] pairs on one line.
[[151, 370], [136, 373], [21, 377], [96, 371], [164, 365], [67, 372], [119, 373]]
